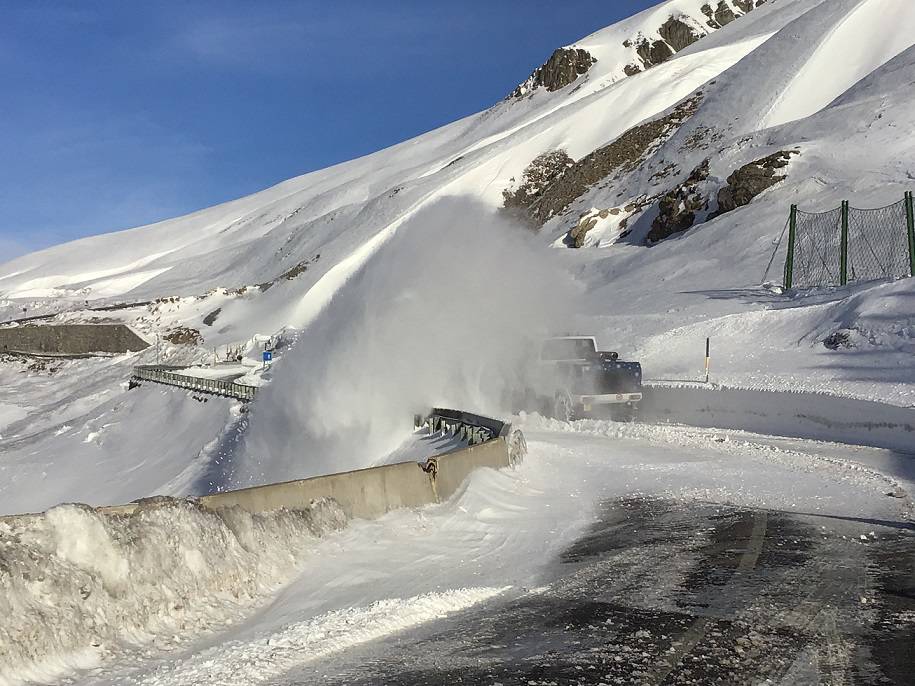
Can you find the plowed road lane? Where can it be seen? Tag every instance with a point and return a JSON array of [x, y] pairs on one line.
[[660, 592]]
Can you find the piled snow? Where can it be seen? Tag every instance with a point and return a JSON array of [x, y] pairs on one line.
[[78, 584]]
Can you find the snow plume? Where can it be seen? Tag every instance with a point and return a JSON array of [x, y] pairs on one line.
[[76, 583], [438, 316]]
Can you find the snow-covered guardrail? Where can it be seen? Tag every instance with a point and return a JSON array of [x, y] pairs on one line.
[[470, 427], [166, 375]]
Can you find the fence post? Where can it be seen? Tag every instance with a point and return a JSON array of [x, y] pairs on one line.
[[789, 260], [843, 258], [910, 222]]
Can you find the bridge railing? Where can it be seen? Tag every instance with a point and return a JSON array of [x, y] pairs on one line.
[[163, 375]]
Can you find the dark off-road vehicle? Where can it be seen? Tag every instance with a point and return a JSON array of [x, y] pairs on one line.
[[577, 380]]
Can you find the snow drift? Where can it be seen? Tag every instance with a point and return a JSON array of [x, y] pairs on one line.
[[76, 584]]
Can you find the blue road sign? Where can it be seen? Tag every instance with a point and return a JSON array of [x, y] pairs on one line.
[[268, 356]]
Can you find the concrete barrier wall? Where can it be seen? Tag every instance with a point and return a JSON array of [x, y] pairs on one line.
[[797, 415], [370, 493], [364, 493], [70, 339]]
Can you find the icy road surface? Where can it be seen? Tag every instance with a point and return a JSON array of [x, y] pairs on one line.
[[667, 555]]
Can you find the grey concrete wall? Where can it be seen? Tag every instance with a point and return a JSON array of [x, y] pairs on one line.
[[365, 493], [454, 468], [370, 493], [70, 339]]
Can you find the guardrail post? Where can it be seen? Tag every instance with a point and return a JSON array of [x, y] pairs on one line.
[[843, 246], [910, 224], [789, 259]]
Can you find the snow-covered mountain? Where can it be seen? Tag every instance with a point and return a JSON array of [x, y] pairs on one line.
[[621, 144], [634, 187]]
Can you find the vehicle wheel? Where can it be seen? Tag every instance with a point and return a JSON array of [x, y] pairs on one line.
[[562, 408]]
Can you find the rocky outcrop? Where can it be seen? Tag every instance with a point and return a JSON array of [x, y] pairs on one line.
[[653, 53], [210, 319], [721, 16], [537, 177], [747, 5], [677, 33], [678, 208], [752, 179], [564, 66], [621, 155], [182, 335], [590, 219], [586, 222]]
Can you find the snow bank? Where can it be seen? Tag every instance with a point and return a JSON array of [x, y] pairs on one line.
[[76, 583], [437, 317]]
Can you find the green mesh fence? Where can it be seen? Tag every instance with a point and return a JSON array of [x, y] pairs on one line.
[[816, 249], [878, 246], [850, 244]]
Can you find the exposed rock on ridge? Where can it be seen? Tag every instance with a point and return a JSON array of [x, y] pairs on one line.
[[678, 208], [752, 179], [677, 33], [621, 155], [564, 66], [537, 177]]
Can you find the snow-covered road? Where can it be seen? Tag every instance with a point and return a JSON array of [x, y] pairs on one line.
[[662, 512]]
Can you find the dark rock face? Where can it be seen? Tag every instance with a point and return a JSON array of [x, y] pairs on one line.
[[537, 177], [838, 339], [678, 34], [210, 319], [678, 207], [653, 53], [182, 335], [724, 15], [751, 180], [620, 155], [747, 5], [564, 66]]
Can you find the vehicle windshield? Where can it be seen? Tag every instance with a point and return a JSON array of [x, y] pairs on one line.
[[567, 349]]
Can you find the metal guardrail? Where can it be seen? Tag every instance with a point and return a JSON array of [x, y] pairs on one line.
[[162, 375], [473, 428]]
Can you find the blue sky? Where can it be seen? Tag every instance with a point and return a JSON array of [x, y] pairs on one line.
[[116, 114]]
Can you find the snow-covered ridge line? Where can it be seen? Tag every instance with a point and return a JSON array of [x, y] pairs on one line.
[[636, 44]]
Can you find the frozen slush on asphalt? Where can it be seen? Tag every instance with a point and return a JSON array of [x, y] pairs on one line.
[[719, 482]]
